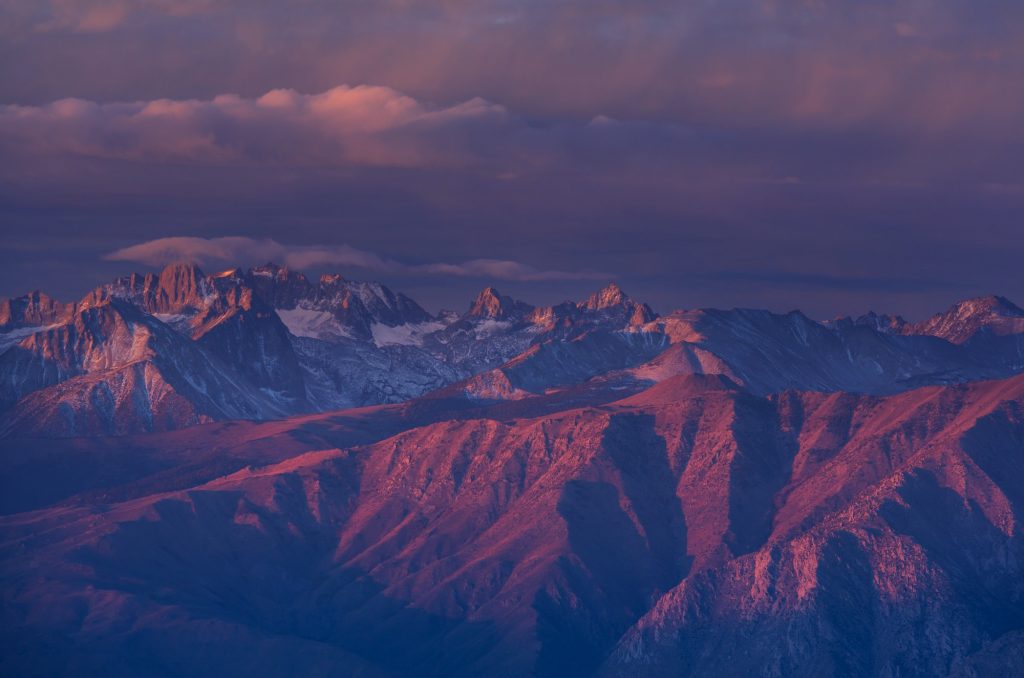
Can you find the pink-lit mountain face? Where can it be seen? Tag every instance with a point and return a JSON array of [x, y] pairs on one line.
[[257, 473]]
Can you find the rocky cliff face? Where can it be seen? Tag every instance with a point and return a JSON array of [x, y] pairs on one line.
[[112, 368], [32, 310]]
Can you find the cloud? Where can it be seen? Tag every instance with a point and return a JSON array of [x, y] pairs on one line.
[[235, 250], [104, 16], [659, 140], [363, 125], [831, 63]]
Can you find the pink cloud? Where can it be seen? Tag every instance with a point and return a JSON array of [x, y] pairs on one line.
[[363, 125]]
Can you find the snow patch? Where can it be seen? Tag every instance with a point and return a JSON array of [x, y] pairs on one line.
[[304, 322], [176, 321], [409, 334], [14, 336], [488, 327]]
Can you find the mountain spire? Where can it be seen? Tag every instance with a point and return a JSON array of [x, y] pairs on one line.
[[491, 303], [608, 296]]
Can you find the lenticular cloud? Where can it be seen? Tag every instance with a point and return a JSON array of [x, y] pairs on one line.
[[242, 250]]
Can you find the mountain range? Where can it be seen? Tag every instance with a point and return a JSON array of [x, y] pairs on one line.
[[253, 472], [161, 351]]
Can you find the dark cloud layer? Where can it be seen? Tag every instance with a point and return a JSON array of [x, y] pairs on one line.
[[828, 154]]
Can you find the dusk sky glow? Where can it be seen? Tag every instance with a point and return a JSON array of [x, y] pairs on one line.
[[828, 155]]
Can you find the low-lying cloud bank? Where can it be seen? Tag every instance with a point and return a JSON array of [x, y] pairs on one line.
[[241, 250]]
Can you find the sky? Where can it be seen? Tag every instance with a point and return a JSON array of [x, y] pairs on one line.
[[834, 156]]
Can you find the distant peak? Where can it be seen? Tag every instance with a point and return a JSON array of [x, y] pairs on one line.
[[182, 269], [491, 303], [879, 322], [489, 293], [607, 297], [39, 297], [272, 270], [967, 318], [332, 279], [990, 304], [34, 308], [180, 281], [269, 267], [488, 304]]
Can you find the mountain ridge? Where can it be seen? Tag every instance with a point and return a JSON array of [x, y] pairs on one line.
[[308, 346]]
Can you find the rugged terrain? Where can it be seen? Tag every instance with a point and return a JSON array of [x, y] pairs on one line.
[[161, 351], [583, 490]]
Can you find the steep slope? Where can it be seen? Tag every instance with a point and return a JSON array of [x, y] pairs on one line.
[[492, 304], [356, 343], [26, 315], [229, 319], [114, 369], [32, 310], [223, 315], [334, 307], [896, 551], [346, 373], [966, 319], [692, 527]]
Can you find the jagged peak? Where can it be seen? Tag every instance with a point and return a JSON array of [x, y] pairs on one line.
[[188, 269], [33, 308], [611, 296], [489, 293], [964, 319], [181, 282], [491, 303], [281, 274], [880, 322], [488, 304], [991, 304], [269, 269], [33, 298], [608, 296], [274, 270], [328, 279]]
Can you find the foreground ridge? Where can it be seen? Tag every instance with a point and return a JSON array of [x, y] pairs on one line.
[[690, 528]]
